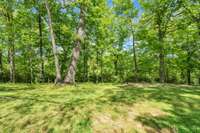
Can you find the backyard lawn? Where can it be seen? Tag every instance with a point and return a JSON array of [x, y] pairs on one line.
[[99, 108]]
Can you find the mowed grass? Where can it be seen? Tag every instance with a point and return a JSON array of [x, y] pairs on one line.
[[99, 108]]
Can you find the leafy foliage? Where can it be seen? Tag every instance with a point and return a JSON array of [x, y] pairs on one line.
[[123, 41]]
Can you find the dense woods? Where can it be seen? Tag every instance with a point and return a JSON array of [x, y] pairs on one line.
[[68, 41]]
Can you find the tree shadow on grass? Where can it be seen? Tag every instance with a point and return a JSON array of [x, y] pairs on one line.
[[184, 101], [76, 107], [23, 103], [15, 88], [126, 94], [184, 115]]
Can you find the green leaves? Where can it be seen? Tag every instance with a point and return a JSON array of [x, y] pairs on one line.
[[107, 52]]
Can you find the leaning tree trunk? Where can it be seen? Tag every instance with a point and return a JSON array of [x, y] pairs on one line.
[[70, 77], [56, 60]]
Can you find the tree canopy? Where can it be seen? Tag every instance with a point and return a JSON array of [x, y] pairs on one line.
[[68, 41]]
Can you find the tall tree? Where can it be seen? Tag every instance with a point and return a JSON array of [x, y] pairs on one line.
[[7, 11], [126, 10], [191, 10], [56, 60], [161, 13], [41, 45], [70, 77]]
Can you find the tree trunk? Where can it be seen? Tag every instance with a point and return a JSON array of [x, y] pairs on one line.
[[101, 64], [41, 48], [199, 36], [189, 54], [162, 65], [188, 76], [11, 47], [167, 71], [97, 62], [116, 64], [1, 65], [161, 57], [135, 59], [31, 70], [70, 77], [57, 65], [11, 53]]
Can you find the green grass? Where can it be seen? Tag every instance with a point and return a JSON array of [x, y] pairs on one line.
[[102, 108]]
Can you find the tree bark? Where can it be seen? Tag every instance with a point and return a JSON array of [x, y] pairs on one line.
[[101, 64], [162, 64], [11, 47], [41, 47], [116, 64], [198, 24], [70, 77], [161, 56], [31, 70], [188, 76], [97, 62], [188, 67], [11, 52], [56, 60], [1, 65], [167, 71]]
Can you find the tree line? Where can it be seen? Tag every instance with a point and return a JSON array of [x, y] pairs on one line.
[[68, 41]]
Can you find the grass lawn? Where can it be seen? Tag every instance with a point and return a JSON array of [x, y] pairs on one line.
[[102, 108]]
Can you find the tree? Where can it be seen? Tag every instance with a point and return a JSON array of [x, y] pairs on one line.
[[57, 65], [191, 10], [42, 75], [126, 9], [70, 77], [100, 41], [161, 13], [7, 11]]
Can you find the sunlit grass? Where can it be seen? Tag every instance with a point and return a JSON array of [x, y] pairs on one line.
[[103, 108]]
